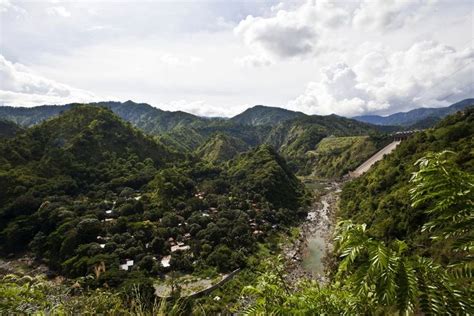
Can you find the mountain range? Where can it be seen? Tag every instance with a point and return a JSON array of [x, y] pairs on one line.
[[417, 118], [294, 135]]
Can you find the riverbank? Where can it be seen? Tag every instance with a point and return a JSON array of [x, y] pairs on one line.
[[309, 255]]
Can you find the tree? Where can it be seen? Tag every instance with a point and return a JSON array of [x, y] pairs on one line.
[[392, 277], [447, 195]]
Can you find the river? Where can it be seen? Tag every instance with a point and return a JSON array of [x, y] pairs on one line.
[[308, 254]]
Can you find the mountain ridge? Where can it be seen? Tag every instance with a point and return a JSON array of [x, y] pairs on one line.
[[414, 116], [264, 115]]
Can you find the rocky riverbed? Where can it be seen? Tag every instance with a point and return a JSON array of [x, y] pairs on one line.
[[308, 255]]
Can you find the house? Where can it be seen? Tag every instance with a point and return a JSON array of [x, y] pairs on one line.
[[128, 264], [165, 261], [182, 247]]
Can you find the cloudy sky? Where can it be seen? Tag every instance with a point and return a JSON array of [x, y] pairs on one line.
[[348, 57]]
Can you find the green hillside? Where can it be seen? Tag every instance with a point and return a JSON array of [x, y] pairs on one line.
[[8, 129], [292, 134], [264, 172], [264, 115], [144, 116], [85, 190], [221, 147], [379, 197], [295, 138], [336, 156]]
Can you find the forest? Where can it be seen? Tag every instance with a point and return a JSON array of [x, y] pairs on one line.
[[111, 208]]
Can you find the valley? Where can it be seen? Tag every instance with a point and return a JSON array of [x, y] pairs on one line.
[[213, 215]]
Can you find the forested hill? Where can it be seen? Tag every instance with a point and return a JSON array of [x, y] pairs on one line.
[[380, 197], [221, 147], [265, 115], [297, 140], [86, 189], [144, 116], [89, 134], [8, 128], [292, 134], [423, 117]]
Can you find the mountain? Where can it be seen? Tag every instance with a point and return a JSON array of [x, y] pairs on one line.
[[221, 147], [292, 134], [296, 138], [336, 156], [86, 188], [8, 129], [416, 115], [265, 115], [90, 134], [380, 197], [83, 148], [263, 171], [149, 119]]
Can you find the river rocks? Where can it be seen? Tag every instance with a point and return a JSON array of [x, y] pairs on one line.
[[317, 231]]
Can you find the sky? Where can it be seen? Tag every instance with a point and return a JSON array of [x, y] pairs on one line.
[[217, 58]]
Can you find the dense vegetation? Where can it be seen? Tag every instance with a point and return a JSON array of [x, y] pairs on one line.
[[292, 134], [265, 115], [87, 192], [379, 278], [379, 198], [8, 129], [336, 156], [221, 147]]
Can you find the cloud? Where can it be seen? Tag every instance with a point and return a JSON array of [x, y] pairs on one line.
[[289, 33], [388, 15], [7, 5], [58, 11], [253, 61], [20, 86], [301, 31], [199, 108], [175, 60], [427, 74]]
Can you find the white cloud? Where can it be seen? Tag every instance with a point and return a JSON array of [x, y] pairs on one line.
[[253, 61], [200, 108], [301, 31], [427, 74], [58, 11], [177, 60], [388, 15], [20, 86], [287, 34], [7, 5]]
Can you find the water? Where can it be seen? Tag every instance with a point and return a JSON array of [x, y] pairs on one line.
[[315, 245], [312, 258]]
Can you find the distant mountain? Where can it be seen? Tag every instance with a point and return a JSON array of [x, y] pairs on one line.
[[8, 129], [221, 147], [414, 116], [265, 115], [149, 119]]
